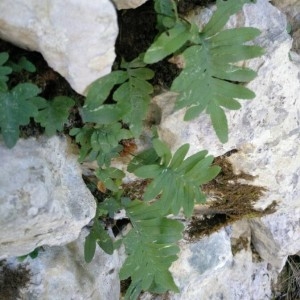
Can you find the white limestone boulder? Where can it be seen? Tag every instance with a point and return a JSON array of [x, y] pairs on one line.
[[43, 199], [76, 38], [60, 273]]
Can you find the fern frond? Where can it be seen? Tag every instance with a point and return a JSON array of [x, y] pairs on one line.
[[151, 249], [209, 80], [184, 174], [132, 96]]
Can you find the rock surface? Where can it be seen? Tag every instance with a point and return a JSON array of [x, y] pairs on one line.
[[43, 199], [265, 132], [60, 273], [127, 4], [291, 8], [77, 40]]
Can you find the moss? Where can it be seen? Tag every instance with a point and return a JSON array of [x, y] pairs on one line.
[[233, 201], [12, 279]]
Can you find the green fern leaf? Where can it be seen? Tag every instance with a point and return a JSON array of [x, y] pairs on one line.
[[90, 246], [146, 157], [53, 114], [4, 71], [99, 236], [110, 177], [151, 249], [184, 174], [166, 13], [22, 64], [100, 142], [133, 96], [101, 88], [210, 76], [83, 138], [94, 110], [225, 9], [169, 42], [15, 110]]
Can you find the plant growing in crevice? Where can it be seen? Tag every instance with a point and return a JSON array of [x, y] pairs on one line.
[[209, 79], [208, 82], [21, 102], [114, 110], [151, 242]]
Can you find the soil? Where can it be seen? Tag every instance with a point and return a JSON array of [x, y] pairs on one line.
[[137, 31], [12, 279]]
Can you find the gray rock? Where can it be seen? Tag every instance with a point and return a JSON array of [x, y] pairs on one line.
[[77, 40], [208, 269], [292, 9], [60, 273], [43, 199]]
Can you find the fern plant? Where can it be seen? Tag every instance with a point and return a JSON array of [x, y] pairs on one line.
[[16, 109], [114, 110], [208, 82], [132, 97], [210, 77], [20, 103], [100, 142], [151, 244]]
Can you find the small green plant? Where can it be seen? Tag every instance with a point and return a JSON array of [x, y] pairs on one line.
[[16, 109], [132, 96], [52, 115], [210, 77], [20, 103], [184, 174]]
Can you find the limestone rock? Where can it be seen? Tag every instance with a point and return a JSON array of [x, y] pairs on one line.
[[235, 277], [77, 40], [292, 10], [290, 7], [43, 199], [127, 4], [61, 273], [220, 266]]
